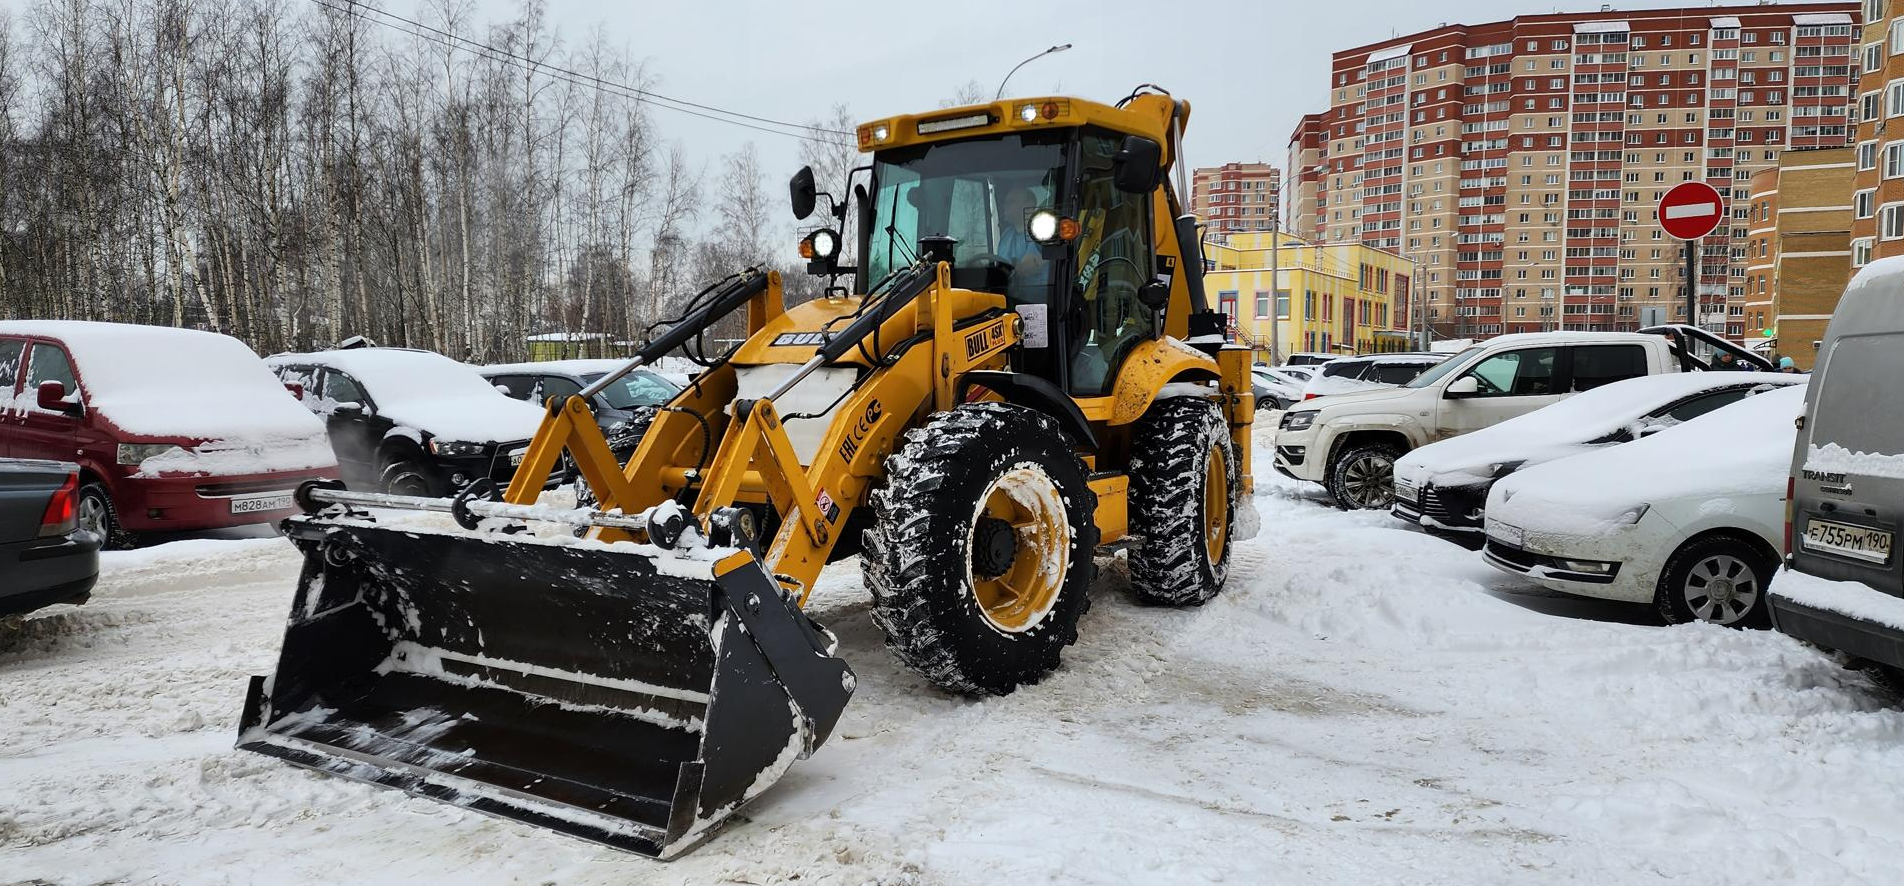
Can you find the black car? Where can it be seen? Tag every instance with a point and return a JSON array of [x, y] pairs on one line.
[[623, 409], [45, 558], [411, 422]]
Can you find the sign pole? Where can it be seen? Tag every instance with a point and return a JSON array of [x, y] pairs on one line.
[[1692, 282]]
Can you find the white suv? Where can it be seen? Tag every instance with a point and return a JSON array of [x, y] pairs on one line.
[[1349, 442]]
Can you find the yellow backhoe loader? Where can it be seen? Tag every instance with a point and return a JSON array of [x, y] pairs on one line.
[[1024, 373]]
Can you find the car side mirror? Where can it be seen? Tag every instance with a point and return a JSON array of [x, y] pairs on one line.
[[802, 192], [1154, 295], [51, 396], [503, 390], [1650, 430], [1137, 167], [297, 390], [1465, 386], [350, 408]]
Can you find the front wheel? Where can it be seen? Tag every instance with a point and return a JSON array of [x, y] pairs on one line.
[[1718, 579], [1184, 486], [980, 554], [96, 514], [1363, 476], [405, 476]]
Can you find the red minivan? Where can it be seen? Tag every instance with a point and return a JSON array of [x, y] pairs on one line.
[[172, 429]]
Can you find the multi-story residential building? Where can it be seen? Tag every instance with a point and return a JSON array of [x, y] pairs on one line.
[[1521, 162], [1302, 195], [1332, 297], [1237, 197], [1877, 226], [1798, 249]]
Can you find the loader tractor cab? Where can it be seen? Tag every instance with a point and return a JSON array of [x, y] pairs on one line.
[[1038, 217], [1023, 373]]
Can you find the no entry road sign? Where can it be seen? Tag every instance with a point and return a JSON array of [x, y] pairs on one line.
[[1691, 210]]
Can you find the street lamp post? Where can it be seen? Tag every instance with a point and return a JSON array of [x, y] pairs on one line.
[[1052, 51]]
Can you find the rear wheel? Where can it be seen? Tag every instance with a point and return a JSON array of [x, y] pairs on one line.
[[980, 554], [95, 514], [1719, 579], [1363, 476], [1184, 486]]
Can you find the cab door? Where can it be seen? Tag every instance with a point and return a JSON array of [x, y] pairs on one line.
[[1105, 320], [44, 433], [1507, 384], [356, 433]]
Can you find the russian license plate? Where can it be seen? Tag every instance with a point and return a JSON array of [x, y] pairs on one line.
[[1856, 542], [1505, 533], [254, 504], [1405, 491]]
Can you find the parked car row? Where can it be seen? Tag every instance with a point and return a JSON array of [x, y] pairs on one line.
[[123, 430]]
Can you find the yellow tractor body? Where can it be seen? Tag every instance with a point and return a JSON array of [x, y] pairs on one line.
[[1024, 372]]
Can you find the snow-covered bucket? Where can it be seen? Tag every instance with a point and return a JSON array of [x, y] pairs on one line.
[[598, 690]]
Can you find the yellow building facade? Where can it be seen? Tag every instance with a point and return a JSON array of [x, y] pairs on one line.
[[1342, 298]]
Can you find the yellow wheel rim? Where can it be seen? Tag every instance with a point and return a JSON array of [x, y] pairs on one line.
[[1025, 503], [1216, 504]]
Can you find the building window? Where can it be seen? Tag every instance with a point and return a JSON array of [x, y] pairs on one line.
[[1894, 160], [1891, 222], [1864, 203], [1262, 304], [1861, 252]]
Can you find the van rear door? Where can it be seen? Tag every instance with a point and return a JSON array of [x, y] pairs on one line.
[[1848, 494]]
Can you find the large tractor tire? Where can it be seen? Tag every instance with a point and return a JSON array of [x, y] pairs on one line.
[[1185, 482], [980, 553]]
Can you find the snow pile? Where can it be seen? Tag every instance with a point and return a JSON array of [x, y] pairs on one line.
[[1742, 449], [429, 392], [1851, 598], [1834, 459], [1568, 427], [154, 381], [227, 458]]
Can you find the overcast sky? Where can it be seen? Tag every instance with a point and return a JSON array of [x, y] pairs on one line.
[[1250, 69]]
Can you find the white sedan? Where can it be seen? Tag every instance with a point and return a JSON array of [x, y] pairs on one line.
[[1690, 519], [1442, 487]]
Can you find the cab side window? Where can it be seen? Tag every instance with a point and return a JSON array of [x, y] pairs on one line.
[[1596, 365], [1524, 373], [50, 364], [555, 386], [1698, 406], [1114, 262]]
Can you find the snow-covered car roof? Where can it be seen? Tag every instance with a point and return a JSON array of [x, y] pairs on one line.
[[1565, 428], [429, 392], [1742, 449], [156, 381]]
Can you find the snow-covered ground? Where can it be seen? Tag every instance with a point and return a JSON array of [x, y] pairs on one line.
[[1363, 705]]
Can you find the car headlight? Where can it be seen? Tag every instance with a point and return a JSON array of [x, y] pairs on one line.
[[1632, 515], [135, 453], [1297, 421], [455, 448]]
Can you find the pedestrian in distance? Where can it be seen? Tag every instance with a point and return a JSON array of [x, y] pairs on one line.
[[1788, 366]]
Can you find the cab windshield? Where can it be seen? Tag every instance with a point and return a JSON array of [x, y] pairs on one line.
[[979, 192]]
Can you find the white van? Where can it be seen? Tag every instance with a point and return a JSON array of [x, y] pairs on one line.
[[1844, 585]]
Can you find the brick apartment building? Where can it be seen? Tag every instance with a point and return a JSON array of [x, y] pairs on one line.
[[1798, 249], [1877, 226], [1521, 161], [1237, 197]]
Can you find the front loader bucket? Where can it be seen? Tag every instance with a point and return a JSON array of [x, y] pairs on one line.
[[596, 690]]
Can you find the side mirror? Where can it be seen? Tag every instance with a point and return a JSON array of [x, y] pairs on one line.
[[351, 408], [51, 396], [1155, 294], [503, 390], [297, 390], [1465, 386], [1137, 167], [801, 190], [1650, 430]]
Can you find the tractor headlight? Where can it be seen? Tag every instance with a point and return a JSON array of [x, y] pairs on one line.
[[455, 448], [1298, 421], [1043, 226], [824, 244], [880, 133], [1028, 113]]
